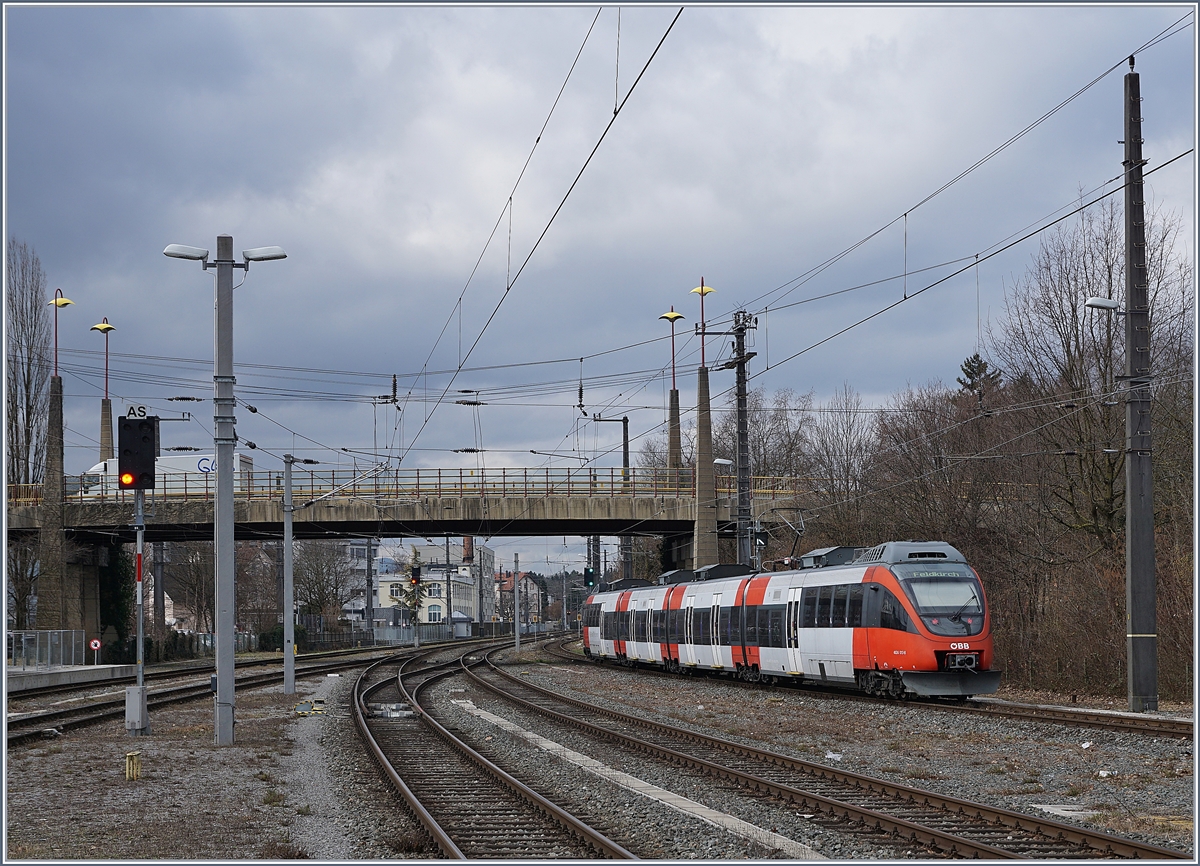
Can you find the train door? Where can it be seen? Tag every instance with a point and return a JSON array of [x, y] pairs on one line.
[[714, 631], [687, 650], [631, 648], [792, 630]]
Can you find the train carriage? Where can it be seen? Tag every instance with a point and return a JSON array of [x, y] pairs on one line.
[[901, 618]]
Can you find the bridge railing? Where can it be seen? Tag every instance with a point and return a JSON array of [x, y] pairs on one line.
[[398, 486]]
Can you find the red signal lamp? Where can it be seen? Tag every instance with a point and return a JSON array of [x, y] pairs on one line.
[[126, 479]]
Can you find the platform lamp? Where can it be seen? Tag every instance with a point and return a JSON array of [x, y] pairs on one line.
[[224, 438], [59, 301], [702, 290]]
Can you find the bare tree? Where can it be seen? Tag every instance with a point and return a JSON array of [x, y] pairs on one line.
[[1066, 358], [841, 444], [323, 577], [28, 373], [27, 396], [190, 581], [256, 586]]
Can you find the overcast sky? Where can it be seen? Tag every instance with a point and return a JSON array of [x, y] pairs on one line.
[[379, 146]]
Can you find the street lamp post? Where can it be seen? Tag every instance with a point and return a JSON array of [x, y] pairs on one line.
[[106, 443], [671, 316], [104, 327], [224, 440], [59, 301]]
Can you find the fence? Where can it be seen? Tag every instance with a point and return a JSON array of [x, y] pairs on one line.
[[45, 649], [401, 486]]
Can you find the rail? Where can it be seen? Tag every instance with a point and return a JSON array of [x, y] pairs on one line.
[[399, 486]]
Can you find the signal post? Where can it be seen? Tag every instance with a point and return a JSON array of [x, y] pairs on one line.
[[137, 438]]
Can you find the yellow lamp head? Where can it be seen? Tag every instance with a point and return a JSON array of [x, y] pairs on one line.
[[104, 327], [60, 302], [671, 316], [702, 290]]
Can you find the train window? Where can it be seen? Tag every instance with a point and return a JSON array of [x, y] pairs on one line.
[[775, 625], [735, 626], [751, 617], [838, 617], [808, 612], [892, 614], [723, 636], [622, 626], [702, 625], [608, 625], [824, 603], [854, 606], [656, 626]]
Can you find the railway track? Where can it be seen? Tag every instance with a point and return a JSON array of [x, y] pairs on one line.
[[1158, 726], [470, 807], [947, 825], [38, 725]]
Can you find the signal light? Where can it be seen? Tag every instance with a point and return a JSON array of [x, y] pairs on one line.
[[414, 579], [136, 446], [589, 576]]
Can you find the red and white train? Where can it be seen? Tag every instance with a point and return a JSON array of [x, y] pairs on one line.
[[902, 618]]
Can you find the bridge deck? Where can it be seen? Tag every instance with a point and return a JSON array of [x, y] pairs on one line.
[[416, 502]]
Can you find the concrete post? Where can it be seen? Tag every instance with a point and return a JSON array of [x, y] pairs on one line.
[[704, 550], [1141, 632], [106, 428], [51, 595], [160, 593], [223, 538], [289, 611]]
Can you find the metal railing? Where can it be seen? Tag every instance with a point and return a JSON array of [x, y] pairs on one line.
[[400, 486], [45, 649]]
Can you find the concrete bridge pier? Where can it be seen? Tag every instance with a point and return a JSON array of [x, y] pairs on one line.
[[68, 584]]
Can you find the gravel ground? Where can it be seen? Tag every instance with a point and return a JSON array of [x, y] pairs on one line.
[[290, 787], [1139, 786], [302, 787]]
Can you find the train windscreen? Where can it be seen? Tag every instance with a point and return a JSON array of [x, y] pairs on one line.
[[947, 596]]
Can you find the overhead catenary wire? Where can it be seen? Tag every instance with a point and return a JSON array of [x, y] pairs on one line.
[[1176, 27], [512, 281]]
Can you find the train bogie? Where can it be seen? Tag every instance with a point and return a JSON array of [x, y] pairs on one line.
[[903, 618]]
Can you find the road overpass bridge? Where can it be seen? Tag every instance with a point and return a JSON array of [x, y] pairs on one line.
[[409, 503]]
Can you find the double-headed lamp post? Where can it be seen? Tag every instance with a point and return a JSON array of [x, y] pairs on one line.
[[224, 440]]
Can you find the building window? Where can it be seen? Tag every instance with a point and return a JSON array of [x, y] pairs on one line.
[[435, 590], [394, 590], [435, 613]]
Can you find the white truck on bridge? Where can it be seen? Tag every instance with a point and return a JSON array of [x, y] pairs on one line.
[[192, 473]]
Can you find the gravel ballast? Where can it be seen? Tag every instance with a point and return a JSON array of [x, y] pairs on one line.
[[303, 787]]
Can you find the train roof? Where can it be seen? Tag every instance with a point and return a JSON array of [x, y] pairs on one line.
[[892, 552]]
